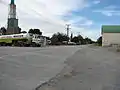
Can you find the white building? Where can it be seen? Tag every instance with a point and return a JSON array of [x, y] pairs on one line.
[[110, 35]]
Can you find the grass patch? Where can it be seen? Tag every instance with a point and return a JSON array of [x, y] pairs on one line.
[[96, 44], [10, 40]]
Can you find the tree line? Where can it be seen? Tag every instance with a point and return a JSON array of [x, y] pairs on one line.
[[58, 38], [3, 31]]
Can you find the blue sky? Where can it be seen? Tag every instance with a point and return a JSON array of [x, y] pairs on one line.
[[51, 16], [100, 13]]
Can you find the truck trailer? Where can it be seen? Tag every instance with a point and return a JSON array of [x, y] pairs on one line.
[[23, 39]]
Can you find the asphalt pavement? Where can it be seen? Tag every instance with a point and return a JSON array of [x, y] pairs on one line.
[[90, 68], [25, 68]]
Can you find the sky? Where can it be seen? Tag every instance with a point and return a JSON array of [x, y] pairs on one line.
[[51, 16]]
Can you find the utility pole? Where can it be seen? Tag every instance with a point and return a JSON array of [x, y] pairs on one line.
[[71, 37], [68, 29]]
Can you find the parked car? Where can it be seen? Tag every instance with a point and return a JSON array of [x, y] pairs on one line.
[[71, 43]]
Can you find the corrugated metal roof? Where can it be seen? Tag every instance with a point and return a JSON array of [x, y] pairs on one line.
[[111, 29]]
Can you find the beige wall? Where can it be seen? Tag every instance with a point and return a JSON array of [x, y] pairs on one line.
[[110, 38]]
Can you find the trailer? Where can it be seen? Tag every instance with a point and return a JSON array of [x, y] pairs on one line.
[[23, 39]]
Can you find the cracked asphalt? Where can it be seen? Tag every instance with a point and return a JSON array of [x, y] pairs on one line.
[[90, 68], [25, 68]]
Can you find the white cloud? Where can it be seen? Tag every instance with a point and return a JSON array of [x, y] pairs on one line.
[[109, 11], [96, 2], [87, 23], [91, 33], [81, 21], [43, 14], [111, 7]]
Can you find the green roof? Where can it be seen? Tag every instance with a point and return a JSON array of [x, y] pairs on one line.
[[12, 1], [111, 29]]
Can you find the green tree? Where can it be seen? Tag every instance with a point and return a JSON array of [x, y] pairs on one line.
[[62, 37], [35, 31], [78, 39], [54, 39], [81, 39], [88, 40], [71, 37], [31, 31], [58, 38], [99, 40], [3, 30], [75, 39], [19, 29], [48, 38]]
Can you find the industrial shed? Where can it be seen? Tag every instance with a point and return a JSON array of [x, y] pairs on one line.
[[110, 35]]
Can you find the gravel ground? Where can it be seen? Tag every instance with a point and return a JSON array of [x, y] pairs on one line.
[[91, 68]]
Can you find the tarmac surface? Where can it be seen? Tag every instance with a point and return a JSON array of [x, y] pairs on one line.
[[90, 68], [25, 68]]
